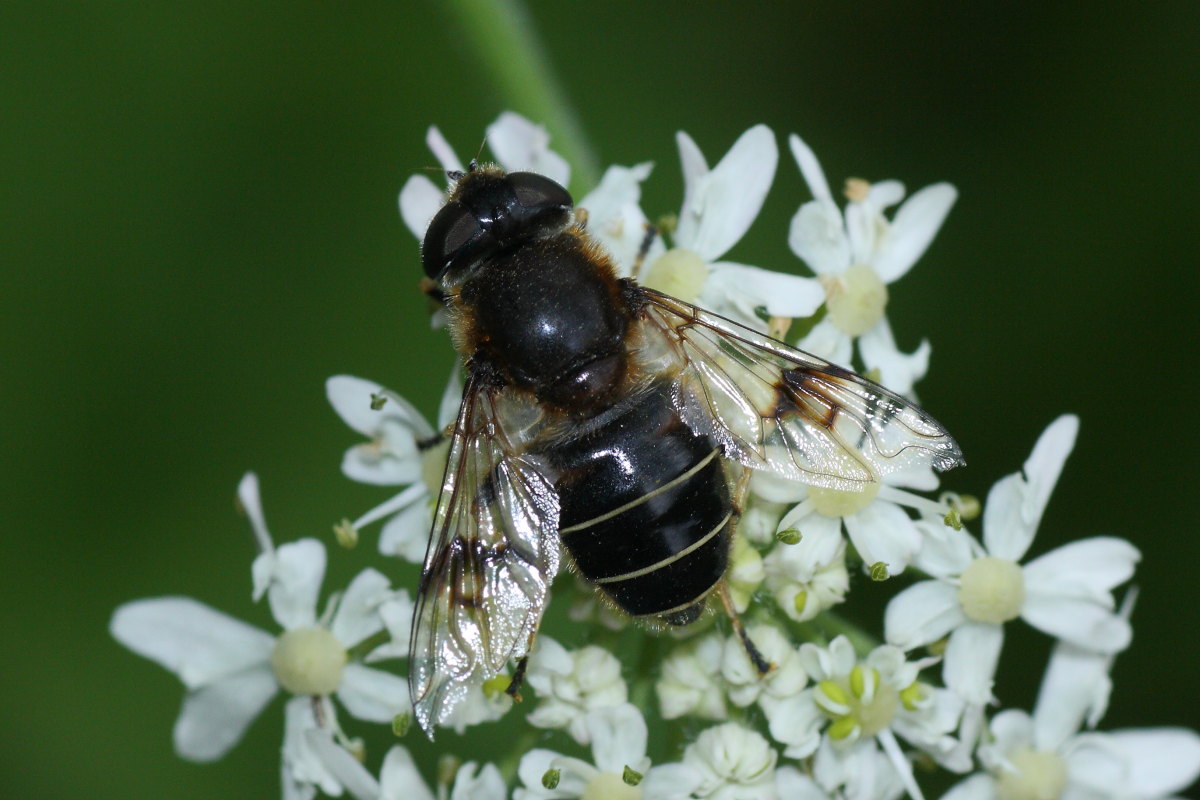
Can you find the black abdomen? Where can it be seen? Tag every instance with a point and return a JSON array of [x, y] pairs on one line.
[[645, 507]]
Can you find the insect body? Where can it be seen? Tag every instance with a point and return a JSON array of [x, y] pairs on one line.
[[612, 420]]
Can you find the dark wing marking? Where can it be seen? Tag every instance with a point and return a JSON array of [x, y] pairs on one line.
[[492, 555], [776, 408]]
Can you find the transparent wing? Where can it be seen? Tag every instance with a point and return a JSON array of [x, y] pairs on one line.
[[492, 555], [776, 408]]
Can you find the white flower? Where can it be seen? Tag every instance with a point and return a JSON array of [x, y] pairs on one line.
[[400, 780], [857, 256], [570, 683], [403, 449], [858, 772], [808, 580], [689, 681], [874, 519], [742, 680], [517, 143], [482, 703], [854, 701], [1044, 755], [719, 205], [1142, 763], [745, 574], [616, 220], [1066, 593], [735, 763], [621, 770], [231, 670]]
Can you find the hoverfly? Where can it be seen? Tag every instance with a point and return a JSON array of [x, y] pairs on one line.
[[612, 422]]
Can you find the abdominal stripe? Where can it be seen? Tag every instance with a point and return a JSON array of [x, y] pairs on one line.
[[669, 485]]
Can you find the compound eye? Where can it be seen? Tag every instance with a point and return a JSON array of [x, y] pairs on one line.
[[537, 192], [452, 229]]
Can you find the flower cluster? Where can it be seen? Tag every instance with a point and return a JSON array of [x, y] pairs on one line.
[[846, 708]]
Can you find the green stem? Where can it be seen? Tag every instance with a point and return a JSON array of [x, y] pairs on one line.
[[523, 744], [502, 34]]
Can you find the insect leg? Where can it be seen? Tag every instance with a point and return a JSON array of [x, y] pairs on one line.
[[430, 289], [518, 679], [760, 662], [643, 250], [740, 492]]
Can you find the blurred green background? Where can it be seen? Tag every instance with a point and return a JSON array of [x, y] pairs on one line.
[[200, 225]]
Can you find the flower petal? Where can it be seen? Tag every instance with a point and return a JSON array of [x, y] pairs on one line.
[[420, 200], [442, 150], [979, 786], [1005, 532], [400, 779], [795, 785], [810, 168], [452, 397], [885, 194], [522, 146], [534, 764], [670, 782], [344, 767], [898, 371], [829, 342], [749, 288], [1080, 622], [214, 717], [944, 551], [618, 735], [365, 463], [616, 219], [397, 615], [1075, 687], [817, 234], [796, 722], [296, 571], [1162, 761], [882, 532], [916, 476], [1011, 730], [303, 766], [351, 398], [720, 205], [406, 534], [971, 658], [474, 781], [199, 644], [251, 502], [372, 694], [357, 614], [1045, 464], [912, 229], [1087, 569], [865, 226], [922, 613]]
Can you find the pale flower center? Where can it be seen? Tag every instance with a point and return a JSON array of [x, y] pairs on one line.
[[992, 590], [610, 786], [308, 661], [841, 503], [1036, 775], [679, 273], [855, 299], [859, 701], [433, 466]]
